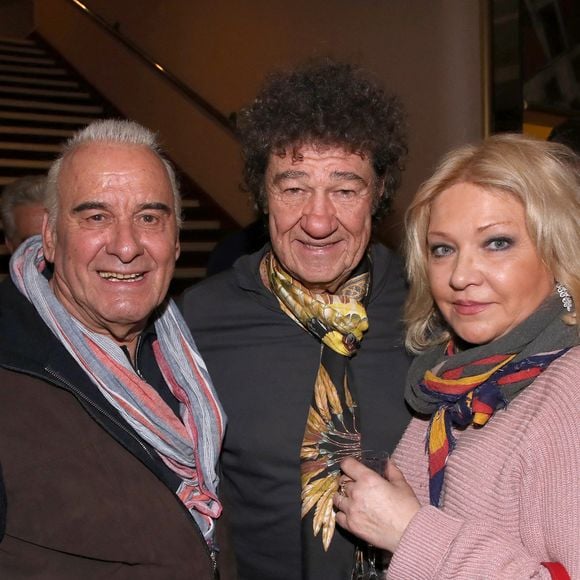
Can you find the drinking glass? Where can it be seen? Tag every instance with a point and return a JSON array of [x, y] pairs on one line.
[[370, 563]]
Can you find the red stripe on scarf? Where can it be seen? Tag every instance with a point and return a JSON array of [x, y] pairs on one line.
[[520, 376], [490, 360], [147, 397], [478, 406], [201, 382], [440, 386], [453, 374], [438, 458]]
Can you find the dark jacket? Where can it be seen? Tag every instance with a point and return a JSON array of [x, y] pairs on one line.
[[81, 494], [263, 366]]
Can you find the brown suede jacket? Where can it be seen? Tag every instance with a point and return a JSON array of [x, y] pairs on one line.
[[81, 495]]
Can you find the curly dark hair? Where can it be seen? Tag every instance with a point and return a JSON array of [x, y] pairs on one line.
[[324, 103]]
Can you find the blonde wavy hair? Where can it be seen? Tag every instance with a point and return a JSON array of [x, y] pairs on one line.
[[543, 176]]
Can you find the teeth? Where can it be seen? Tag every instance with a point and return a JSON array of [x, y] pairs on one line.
[[124, 277]]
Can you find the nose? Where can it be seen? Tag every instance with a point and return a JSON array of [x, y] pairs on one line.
[[319, 218], [124, 241], [465, 272]]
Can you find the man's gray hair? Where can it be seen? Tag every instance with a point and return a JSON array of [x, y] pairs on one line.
[[117, 131], [27, 190]]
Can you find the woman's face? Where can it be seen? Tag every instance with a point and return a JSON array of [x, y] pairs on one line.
[[485, 274]]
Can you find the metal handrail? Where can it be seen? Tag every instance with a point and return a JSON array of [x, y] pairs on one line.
[[185, 90]]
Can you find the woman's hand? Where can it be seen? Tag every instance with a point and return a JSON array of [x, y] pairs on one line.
[[376, 510]]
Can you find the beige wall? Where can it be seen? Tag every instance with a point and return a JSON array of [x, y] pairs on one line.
[[428, 51]]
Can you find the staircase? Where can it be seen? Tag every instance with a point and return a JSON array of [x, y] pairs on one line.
[[42, 103]]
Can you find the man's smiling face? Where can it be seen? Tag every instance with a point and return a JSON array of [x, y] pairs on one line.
[[114, 241], [320, 205]]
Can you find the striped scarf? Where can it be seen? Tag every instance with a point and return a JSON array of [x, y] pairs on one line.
[[189, 447], [462, 388]]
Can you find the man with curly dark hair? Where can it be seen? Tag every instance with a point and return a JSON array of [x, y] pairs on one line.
[[303, 338]]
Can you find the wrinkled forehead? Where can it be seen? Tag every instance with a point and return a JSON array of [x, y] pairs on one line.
[[99, 167], [111, 158], [295, 150]]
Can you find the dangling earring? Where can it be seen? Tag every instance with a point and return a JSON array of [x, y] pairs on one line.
[[567, 301]]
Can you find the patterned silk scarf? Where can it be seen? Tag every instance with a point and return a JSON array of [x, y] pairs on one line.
[[189, 447], [339, 321], [461, 388]]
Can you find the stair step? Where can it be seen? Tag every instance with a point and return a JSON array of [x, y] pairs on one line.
[[32, 70], [40, 147], [43, 105], [188, 202], [49, 119], [40, 82], [25, 163], [197, 246], [16, 50], [48, 93], [36, 131], [27, 59], [200, 225], [18, 41]]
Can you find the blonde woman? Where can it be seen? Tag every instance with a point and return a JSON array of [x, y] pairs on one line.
[[484, 483]]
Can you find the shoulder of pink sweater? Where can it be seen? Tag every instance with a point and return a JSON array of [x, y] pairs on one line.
[[548, 458], [551, 404], [559, 382]]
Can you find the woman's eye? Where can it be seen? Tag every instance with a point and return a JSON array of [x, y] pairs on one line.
[[499, 243], [439, 251]]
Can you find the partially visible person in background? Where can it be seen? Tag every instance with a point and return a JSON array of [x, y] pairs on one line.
[[22, 209], [567, 133], [245, 241], [487, 484]]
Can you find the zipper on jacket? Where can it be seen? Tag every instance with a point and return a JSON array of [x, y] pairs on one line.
[[214, 566], [134, 364], [76, 392]]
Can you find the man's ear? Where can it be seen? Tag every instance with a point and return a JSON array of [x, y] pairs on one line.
[[177, 248], [379, 193], [48, 238]]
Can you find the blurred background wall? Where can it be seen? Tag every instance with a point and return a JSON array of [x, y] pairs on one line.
[[428, 52]]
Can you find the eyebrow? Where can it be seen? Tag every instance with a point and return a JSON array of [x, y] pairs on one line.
[[487, 226], [336, 175], [480, 229], [88, 205]]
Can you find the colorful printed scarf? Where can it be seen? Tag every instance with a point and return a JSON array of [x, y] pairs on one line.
[[339, 321], [461, 388], [189, 447]]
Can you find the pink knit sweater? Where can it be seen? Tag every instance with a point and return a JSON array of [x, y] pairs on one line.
[[511, 493]]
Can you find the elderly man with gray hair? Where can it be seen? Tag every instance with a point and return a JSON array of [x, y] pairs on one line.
[[22, 209], [109, 425]]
